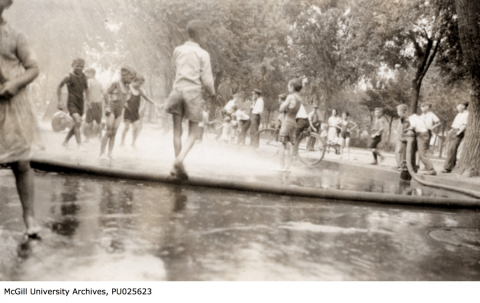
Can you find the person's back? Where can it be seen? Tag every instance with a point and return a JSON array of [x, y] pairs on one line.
[[290, 118], [193, 69]]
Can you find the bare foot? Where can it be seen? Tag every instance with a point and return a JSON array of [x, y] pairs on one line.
[[33, 229]]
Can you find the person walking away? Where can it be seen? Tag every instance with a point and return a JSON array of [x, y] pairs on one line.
[[288, 134], [19, 135], [256, 118], [193, 73], [379, 128], [455, 136]]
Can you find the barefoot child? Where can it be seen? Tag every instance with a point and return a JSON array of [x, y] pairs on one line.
[[96, 96], [114, 109], [18, 129], [291, 106], [77, 85], [133, 108], [193, 72]]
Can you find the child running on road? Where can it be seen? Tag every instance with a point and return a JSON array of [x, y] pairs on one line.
[[193, 73], [18, 124], [133, 108], [114, 109], [76, 82], [291, 106]]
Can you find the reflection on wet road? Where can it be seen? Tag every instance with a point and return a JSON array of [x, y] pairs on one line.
[[104, 229]]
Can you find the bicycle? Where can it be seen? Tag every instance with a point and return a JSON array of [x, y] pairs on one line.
[[310, 147]]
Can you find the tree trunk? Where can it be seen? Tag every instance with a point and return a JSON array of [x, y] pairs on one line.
[[468, 12]]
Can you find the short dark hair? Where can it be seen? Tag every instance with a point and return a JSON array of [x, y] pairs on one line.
[[347, 113], [403, 108], [296, 84], [78, 61], [196, 28], [129, 70]]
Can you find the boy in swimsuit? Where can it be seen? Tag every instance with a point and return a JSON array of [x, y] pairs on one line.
[[77, 85], [114, 109], [193, 74], [133, 108]]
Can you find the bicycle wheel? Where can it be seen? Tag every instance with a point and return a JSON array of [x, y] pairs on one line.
[[269, 144], [311, 149], [212, 130]]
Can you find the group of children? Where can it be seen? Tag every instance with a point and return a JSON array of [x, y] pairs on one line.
[[122, 102]]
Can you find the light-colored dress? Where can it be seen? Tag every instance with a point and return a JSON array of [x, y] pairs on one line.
[[333, 130], [19, 132]]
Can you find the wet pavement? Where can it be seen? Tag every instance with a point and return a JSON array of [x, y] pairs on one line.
[[105, 229], [111, 229]]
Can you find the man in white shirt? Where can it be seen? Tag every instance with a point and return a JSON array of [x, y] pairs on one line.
[[257, 110], [455, 136], [244, 124], [423, 139], [431, 120]]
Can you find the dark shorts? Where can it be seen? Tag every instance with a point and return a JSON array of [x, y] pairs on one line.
[[116, 108], [344, 135], [288, 134], [94, 113], [188, 104], [374, 142], [131, 116], [74, 108]]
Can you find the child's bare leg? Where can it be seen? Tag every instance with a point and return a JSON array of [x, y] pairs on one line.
[[289, 154], [177, 134], [347, 143], [25, 187], [125, 131], [193, 129], [76, 128], [111, 142], [69, 136], [282, 156], [136, 127], [110, 121]]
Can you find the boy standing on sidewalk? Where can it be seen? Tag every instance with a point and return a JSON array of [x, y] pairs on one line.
[[455, 136], [193, 73]]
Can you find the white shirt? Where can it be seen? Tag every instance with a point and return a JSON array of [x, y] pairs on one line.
[[460, 120], [194, 70], [417, 124], [302, 113], [430, 119], [229, 107], [241, 116], [258, 106]]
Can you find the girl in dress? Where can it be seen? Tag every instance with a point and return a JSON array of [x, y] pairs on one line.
[[19, 134], [332, 139]]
